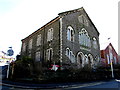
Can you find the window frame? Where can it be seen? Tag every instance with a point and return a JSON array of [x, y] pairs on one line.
[[70, 34], [38, 42], [84, 38], [48, 57], [37, 56], [50, 34], [30, 43]]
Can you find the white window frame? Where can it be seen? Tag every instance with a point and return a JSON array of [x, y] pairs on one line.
[[38, 40], [82, 57], [86, 59], [37, 56], [84, 38], [91, 59], [70, 34], [70, 55], [50, 34], [68, 52], [48, 53], [30, 43]]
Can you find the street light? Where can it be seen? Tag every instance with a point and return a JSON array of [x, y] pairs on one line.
[[111, 58]]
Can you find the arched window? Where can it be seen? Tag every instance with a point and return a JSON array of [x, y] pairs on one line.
[[68, 52], [37, 56], [86, 59], [80, 59], [70, 55], [84, 38], [49, 54], [50, 34], [82, 19], [90, 60], [95, 45], [70, 34], [30, 44], [38, 40]]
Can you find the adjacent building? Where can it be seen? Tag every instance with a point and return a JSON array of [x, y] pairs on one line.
[[70, 40], [109, 54]]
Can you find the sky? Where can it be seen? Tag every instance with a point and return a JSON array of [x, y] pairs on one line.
[[20, 18]]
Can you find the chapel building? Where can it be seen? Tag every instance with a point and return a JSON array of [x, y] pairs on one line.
[[69, 40]]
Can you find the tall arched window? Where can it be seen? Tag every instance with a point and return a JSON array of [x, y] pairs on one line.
[[70, 55], [30, 44], [37, 56], [38, 40], [86, 59], [80, 59], [84, 38], [95, 45], [68, 52], [49, 54], [50, 34], [70, 34], [90, 60]]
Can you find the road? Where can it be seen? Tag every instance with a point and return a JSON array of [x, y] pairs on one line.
[[111, 85], [102, 85]]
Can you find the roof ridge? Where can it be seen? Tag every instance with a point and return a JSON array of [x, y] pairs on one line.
[[70, 11]]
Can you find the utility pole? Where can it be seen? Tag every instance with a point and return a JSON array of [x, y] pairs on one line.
[[111, 58]]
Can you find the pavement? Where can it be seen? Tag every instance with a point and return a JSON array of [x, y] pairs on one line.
[[48, 86]]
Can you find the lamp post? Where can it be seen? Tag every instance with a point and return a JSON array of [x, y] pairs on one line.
[[111, 58]]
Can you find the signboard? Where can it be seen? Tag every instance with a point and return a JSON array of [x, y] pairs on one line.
[[10, 52]]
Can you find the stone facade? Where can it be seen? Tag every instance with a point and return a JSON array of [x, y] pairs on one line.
[[69, 40]]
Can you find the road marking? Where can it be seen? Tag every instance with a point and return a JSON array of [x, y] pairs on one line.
[[84, 85], [117, 80]]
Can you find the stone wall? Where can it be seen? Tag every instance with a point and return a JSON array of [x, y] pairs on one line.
[[71, 19]]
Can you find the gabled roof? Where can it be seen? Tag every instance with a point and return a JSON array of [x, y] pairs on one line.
[[62, 14], [53, 20], [112, 47], [71, 11], [77, 10], [107, 47]]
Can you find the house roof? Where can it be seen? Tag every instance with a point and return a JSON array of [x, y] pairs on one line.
[[108, 47], [71, 11], [62, 14], [53, 20], [77, 10]]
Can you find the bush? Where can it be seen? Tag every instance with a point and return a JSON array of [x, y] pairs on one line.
[[22, 68]]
